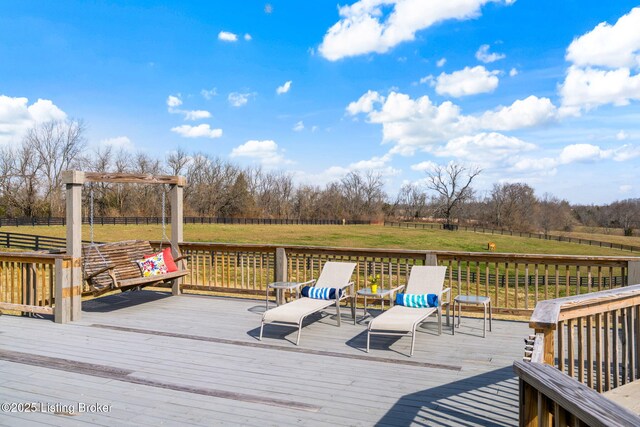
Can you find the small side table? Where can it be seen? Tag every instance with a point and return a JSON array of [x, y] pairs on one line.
[[473, 300], [381, 295], [280, 287]]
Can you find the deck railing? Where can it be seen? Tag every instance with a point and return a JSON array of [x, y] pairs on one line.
[[514, 282], [39, 283], [583, 345]]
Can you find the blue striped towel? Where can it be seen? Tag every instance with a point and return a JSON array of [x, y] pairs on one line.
[[417, 301], [320, 293]]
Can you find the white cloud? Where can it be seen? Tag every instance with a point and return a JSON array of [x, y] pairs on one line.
[[484, 148], [365, 103], [266, 152], [576, 153], [419, 124], [238, 99], [366, 26], [483, 55], [17, 116], [284, 88], [298, 127], [523, 113], [513, 72], [208, 93], [196, 115], [200, 131], [626, 188], [441, 62], [314, 128], [119, 143], [428, 79], [588, 88], [582, 153], [612, 46], [622, 135], [602, 60], [174, 101], [226, 36], [248, 37], [425, 166], [468, 81]]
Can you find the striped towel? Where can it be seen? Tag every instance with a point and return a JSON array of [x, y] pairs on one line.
[[417, 301], [320, 293]]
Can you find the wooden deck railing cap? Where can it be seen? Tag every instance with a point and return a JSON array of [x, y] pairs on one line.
[[588, 405], [547, 313]]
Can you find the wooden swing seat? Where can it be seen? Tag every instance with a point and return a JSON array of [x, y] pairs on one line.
[[111, 266]]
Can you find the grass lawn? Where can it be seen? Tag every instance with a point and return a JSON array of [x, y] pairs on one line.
[[357, 236]]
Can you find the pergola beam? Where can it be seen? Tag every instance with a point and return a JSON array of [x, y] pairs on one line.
[[77, 177]]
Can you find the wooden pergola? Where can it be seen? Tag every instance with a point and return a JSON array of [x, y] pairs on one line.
[[70, 307]]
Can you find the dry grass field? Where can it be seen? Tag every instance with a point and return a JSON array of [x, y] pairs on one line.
[[357, 236]]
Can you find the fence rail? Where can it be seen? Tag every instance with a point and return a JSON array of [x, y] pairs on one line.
[[583, 345], [27, 282], [142, 220], [527, 234], [514, 282]]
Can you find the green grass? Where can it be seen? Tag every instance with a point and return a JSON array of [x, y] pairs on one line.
[[357, 236]]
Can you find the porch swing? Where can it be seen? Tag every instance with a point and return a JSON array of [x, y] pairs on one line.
[[113, 266]]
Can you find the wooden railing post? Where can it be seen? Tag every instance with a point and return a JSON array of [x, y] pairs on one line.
[[73, 181], [62, 292], [431, 259], [549, 351], [280, 273], [177, 225], [633, 273]]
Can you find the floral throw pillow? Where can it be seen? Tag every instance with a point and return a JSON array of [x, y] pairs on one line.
[[153, 266]]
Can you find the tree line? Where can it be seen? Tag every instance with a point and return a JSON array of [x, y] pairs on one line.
[[30, 186]]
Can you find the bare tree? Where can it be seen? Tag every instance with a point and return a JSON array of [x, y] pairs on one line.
[[452, 184], [512, 206], [411, 202], [363, 194], [553, 214], [177, 162], [58, 145]]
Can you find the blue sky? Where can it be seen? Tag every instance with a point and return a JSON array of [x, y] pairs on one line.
[[539, 92]]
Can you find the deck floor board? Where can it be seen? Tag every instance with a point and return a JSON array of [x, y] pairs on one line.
[[195, 360]]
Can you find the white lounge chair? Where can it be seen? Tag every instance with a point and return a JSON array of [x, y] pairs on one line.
[[335, 275], [401, 320]]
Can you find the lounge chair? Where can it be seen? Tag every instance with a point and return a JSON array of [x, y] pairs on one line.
[[401, 320], [336, 275]]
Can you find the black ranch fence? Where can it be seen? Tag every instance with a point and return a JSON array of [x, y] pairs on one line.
[[31, 242], [141, 220], [540, 236], [43, 243]]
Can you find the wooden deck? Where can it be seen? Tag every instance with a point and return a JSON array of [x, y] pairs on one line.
[[195, 360]]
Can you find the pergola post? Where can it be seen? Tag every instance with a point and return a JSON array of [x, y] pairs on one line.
[[177, 224], [68, 296]]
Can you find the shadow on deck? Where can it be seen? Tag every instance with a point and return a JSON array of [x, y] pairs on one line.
[[195, 360]]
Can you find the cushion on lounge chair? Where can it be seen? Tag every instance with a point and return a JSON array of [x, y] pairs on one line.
[[400, 318], [417, 301], [320, 293], [295, 311]]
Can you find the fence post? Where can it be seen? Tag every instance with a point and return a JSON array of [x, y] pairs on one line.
[[633, 272], [431, 259], [64, 291], [549, 345], [280, 270]]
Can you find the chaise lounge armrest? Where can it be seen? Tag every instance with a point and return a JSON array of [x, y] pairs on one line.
[[446, 291]]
